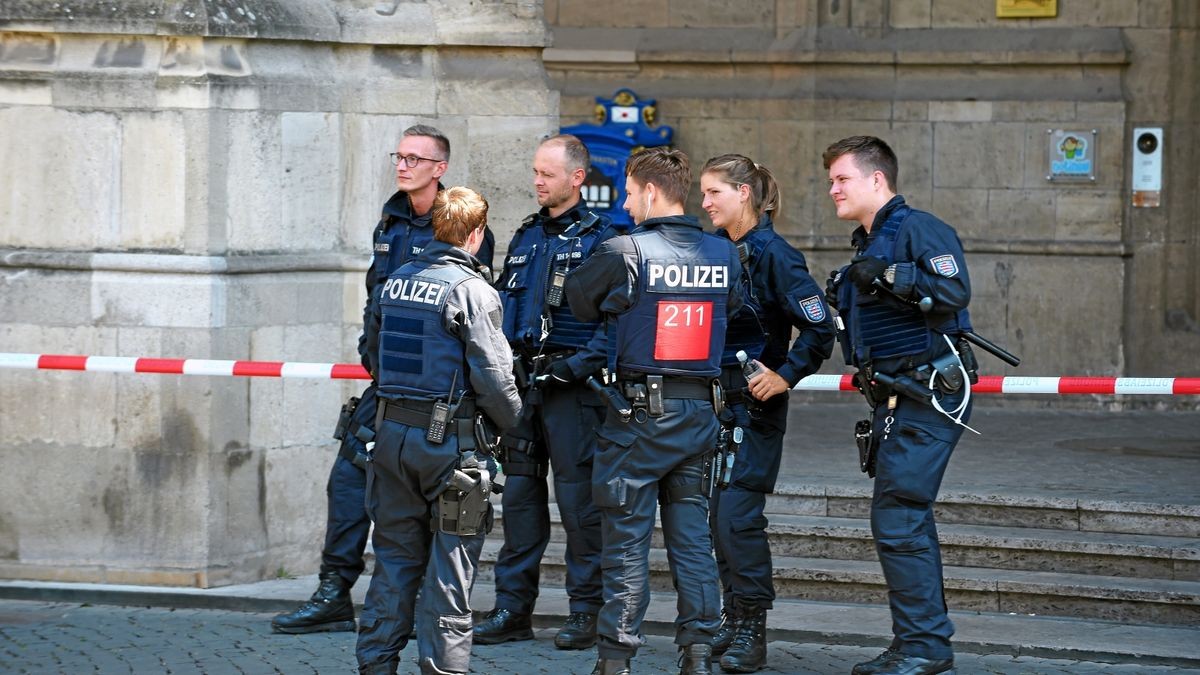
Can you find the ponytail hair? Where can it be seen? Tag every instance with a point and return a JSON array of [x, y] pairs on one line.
[[738, 170]]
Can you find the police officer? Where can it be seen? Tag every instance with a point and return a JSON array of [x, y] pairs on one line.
[[907, 261], [403, 231], [443, 368], [555, 353], [779, 294], [666, 290]]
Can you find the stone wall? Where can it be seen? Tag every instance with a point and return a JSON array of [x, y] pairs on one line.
[[200, 179], [1065, 274]]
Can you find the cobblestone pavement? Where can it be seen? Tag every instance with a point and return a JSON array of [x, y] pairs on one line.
[[40, 637]]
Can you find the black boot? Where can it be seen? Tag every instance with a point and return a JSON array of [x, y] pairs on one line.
[[501, 625], [329, 609], [611, 667], [748, 653], [579, 632], [385, 668], [915, 665], [876, 664], [694, 659], [724, 637]]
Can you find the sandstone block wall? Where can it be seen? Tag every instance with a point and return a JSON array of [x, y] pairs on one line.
[[186, 179]]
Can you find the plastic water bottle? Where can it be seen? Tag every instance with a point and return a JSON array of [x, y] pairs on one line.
[[749, 368]]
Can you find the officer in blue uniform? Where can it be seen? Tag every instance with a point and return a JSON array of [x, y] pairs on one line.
[[740, 196], [403, 231], [903, 303], [666, 290], [555, 354], [445, 374]]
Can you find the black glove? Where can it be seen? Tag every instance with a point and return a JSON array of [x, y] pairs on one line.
[[831, 287], [865, 271]]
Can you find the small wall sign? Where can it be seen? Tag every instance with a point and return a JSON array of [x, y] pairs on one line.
[[1071, 155]]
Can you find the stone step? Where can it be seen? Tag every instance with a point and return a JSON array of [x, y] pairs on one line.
[[1153, 601], [986, 546], [1015, 510]]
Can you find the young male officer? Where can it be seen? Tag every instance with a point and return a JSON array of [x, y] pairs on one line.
[[403, 231], [905, 259], [555, 354], [666, 291], [444, 370]]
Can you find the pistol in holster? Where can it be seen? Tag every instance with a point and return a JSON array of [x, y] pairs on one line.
[[463, 504], [867, 383]]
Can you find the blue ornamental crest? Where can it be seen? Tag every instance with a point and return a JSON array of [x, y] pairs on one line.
[[944, 265], [813, 308]]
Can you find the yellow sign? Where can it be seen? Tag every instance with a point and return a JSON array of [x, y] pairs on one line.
[[1026, 9]]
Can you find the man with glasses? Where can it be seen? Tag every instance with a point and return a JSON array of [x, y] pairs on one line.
[[404, 230]]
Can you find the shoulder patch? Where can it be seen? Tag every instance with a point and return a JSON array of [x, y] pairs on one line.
[[813, 308], [944, 265]]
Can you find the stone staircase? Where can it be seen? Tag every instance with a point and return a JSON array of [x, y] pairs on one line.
[[1031, 555]]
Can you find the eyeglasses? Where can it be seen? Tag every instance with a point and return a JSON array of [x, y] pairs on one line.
[[410, 160]]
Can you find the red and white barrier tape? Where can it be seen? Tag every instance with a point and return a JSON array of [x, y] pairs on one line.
[[988, 384], [122, 364], [995, 384]]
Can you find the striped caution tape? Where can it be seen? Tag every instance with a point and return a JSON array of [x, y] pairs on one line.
[[988, 384], [995, 384]]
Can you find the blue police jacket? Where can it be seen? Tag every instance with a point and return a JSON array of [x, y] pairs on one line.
[[668, 288], [399, 237], [929, 262], [778, 294], [542, 249]]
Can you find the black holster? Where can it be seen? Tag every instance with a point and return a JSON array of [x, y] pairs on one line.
[[343, 423], [463, 506], [867, 446]]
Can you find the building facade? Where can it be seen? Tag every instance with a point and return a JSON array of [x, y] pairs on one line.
[[200, 179]]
